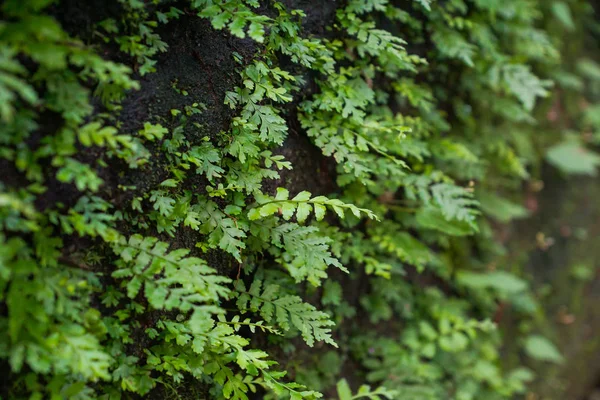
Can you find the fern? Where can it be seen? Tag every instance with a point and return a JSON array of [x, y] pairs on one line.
[[408, 119], [12, 85], [235, 15], [286, 310], [223, 232], [453, 45], [404, 246], [304, 253], [365, 391], [302, 205], [170, 279], [206, 158], [455, 202], [426, 4], [95, 134], [521, 83], [82, 175]]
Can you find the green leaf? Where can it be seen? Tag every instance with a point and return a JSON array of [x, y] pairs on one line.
[[572, 158], [502, 281], [499, 208], [153, 131], [589, 68], [82, 175], [562, 12], [169, 183], [425, 3], [256, 32], [433, 218], [343, 390], [540, 348]]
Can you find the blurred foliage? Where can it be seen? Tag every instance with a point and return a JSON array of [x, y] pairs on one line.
[[432, 111]]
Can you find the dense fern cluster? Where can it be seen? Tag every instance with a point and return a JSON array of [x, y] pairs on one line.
[[427, 110]]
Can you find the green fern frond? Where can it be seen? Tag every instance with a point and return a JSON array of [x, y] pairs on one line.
[[302, 205], [171, 280], [287, 311]]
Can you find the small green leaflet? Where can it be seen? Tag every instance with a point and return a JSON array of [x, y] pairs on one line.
[[542, 349], [433, 218], [562, 12], [425, 3], [500, 208], [503, 282], [82, 175], [364, 392], [343, 390], [572, 158]]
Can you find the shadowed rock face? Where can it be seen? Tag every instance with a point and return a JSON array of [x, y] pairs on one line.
[[199, 60]]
